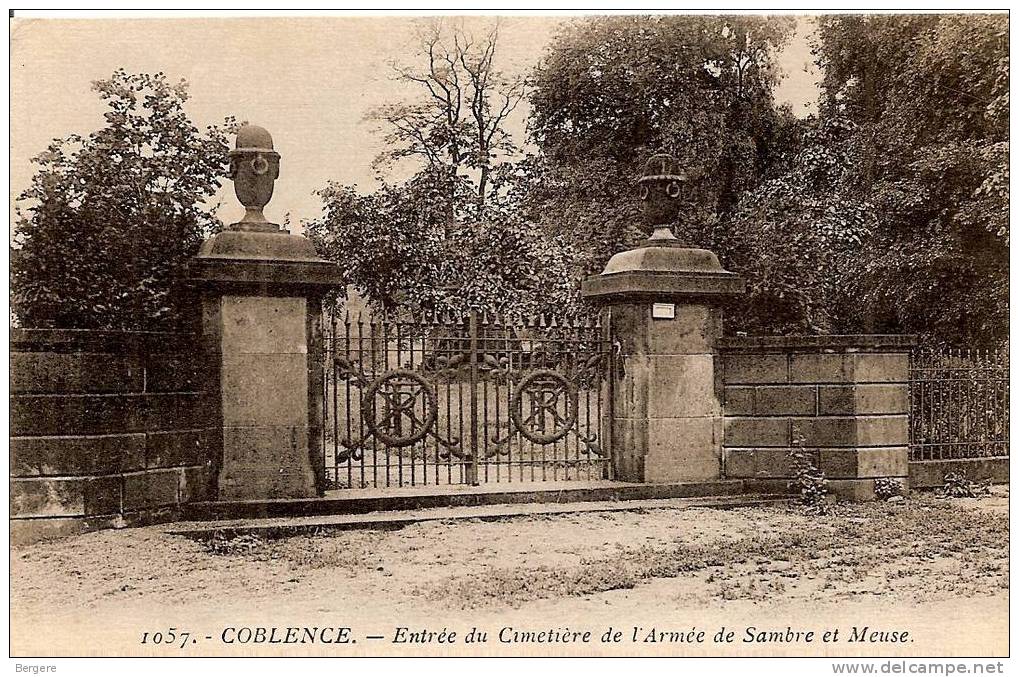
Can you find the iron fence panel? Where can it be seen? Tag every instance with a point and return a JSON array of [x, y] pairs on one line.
[[958, 404]]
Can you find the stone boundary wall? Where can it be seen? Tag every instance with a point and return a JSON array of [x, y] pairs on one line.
[[931, 474], [108, 429], [842, 399]]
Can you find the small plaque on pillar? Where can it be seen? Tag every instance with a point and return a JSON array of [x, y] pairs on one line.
[[663, 311]]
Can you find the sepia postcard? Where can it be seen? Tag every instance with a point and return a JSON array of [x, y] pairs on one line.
[[559, 334]]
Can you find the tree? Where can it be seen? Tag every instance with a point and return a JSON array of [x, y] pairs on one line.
[[795, 237], [111, 217], [929, 98], [458, 126], [396, 246], [611, 91], [452, 236]]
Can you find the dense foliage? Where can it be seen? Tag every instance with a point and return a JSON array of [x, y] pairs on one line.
[[797, 235], [887, 211], [613, 90], [884, 212], [110, 218], [929, 99], [398, 248], [451, 237]]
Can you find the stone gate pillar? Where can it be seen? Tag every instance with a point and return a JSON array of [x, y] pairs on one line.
[[665, 303], [260, 289]]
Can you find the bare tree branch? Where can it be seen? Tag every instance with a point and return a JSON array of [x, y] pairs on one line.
[[459, 127]]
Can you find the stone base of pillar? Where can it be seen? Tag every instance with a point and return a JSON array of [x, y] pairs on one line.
[[264, 388], [664, 302], [261, 322]]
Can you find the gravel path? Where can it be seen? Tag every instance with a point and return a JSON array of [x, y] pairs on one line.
[[909, 563]]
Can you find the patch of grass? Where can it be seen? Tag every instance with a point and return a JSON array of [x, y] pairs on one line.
[[847, 546], [888, 487], [745, 587], [899, 544], [314, 551], [243, 545], [959, 486], [516, 586]]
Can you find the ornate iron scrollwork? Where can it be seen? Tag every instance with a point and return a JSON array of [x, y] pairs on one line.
[[389, 409], [499, 390], [547, 392], [552, 399], [400, 391]]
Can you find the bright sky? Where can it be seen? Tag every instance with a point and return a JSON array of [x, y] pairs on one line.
[[309, 81]]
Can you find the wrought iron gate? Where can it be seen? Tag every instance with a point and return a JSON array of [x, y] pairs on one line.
[[440, 400]]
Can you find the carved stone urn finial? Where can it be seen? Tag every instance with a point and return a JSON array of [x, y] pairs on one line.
[[254, 167], [663, 187]]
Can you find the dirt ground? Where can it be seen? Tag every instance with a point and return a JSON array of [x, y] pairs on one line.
[[935, 568]]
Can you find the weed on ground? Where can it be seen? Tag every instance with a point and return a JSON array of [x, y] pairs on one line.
[[877, 544], [924, 548]]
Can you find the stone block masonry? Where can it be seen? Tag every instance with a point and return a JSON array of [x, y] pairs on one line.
[[264, 348], [107, 429], [841, 399], [666, 413]]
